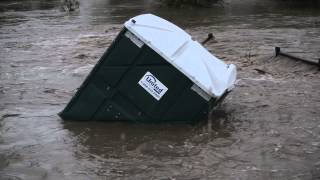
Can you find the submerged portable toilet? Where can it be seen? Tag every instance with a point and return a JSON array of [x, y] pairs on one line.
[[153, 71]]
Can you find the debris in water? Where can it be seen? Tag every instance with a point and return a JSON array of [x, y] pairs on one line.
[[279, 52], [69, 5], [260, 71], [9, 115]]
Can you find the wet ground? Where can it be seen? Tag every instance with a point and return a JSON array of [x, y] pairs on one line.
[[267, 128]]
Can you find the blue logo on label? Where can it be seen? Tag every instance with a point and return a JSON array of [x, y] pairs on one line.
[[153, 85], [153, 82]]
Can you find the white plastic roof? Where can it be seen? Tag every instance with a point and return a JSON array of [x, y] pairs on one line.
[[176, 46]]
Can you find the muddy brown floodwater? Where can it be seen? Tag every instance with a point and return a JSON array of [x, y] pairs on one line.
[[267, 128]]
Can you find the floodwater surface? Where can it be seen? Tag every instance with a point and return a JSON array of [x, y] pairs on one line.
[[267, 128]]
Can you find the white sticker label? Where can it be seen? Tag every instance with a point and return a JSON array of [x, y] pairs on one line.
[[152, 85]]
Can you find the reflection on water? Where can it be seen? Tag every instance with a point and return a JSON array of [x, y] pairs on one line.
[[267, 128], [117, 139]]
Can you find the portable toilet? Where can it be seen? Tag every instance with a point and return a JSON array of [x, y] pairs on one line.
[[153, 71]]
